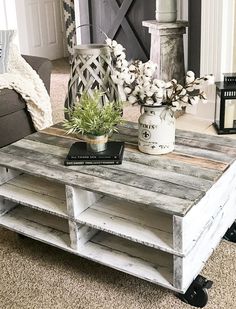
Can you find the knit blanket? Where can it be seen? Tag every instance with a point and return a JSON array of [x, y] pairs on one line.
[[22, 78]]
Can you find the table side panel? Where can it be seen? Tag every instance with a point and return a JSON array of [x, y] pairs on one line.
[[188, 229], [186, 268]]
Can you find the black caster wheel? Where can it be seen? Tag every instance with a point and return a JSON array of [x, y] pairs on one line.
[[230, 235], [197, 294]]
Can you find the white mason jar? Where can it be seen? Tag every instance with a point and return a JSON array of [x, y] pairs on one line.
[[156, 130], [166, 11]]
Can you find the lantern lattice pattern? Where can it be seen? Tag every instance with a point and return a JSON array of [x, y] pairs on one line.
[[91, 70]]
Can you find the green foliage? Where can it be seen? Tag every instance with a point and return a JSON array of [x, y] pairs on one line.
[[88, 116]]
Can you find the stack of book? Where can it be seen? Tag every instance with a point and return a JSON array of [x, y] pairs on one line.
[[79, 155]]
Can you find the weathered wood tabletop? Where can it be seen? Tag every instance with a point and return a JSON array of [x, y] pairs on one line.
[[172, 183]]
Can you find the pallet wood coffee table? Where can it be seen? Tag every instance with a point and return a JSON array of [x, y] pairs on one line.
[[155, 217]]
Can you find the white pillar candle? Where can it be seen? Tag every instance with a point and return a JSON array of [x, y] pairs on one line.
[[229, 114], [166, 11]]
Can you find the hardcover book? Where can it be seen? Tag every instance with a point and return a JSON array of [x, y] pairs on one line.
[[92, 162], [79, 155], [78, 151]]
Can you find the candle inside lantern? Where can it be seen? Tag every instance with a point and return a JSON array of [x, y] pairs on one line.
[[229, 114]]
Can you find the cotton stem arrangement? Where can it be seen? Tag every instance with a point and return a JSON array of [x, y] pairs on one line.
[[137, 85]]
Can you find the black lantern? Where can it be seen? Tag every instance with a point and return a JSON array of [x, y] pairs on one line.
[[225, 105]]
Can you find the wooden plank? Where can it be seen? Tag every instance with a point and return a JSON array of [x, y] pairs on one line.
[[210, 205], [36, 193], [219, 140], [164, 163], [165, 175], [6, 206], [197, 161], [204, 153], [78, 200], [39, 185], [206, 144], [36, 225], [145, 226], [126, 256], [80, 234], [193, 263], [7, 174]]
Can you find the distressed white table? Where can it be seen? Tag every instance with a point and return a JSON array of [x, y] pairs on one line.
[[155, 217]]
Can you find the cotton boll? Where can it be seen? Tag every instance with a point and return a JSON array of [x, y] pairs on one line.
[[125, 63], [159, 83], [154, 88], [204, 101], [190, 77], [183, 92], [185, 99], [131, 78], [190, 88], [123, 76], [117, 79], [209, 79], [119, 64], [149, 72], [132, 99], [109, 42], [174, 81], [159, 94], [194, 100], [149, 101], [142, 96], [114, 43], [132, 67], [169, 92], [127, 90], [179, 87], [176, 104], [149, 93], [146, 78]]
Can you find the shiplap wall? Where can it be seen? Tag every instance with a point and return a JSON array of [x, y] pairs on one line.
[[183, 15], [217, 40], [234, 64]]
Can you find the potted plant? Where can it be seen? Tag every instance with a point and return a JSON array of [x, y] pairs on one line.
[[93, 119]]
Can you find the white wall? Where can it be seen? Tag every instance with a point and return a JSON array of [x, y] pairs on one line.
[[8, 16]]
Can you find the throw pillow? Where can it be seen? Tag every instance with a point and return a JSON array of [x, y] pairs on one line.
[[6, 37]]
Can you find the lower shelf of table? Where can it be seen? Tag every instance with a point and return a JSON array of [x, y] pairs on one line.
[[144, 262]]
